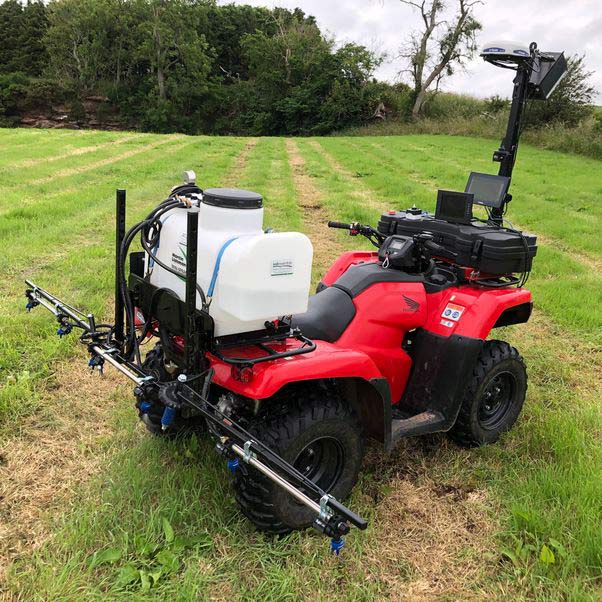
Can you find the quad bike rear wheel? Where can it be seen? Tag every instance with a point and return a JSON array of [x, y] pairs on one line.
[[319, 434], [494, 396]]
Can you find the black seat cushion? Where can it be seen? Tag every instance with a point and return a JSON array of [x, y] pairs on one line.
[[328, 314]]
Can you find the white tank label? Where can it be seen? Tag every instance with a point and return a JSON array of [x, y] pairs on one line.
[[282, 267]]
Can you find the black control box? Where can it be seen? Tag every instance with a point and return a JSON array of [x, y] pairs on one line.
[[486, 248]]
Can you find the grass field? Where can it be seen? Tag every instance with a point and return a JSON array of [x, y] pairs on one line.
[[93, 507]]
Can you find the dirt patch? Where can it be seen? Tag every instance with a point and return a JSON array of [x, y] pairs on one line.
[[432, 546], [56, 451], [74, 152], [240, 163], [434, 539], [65, 173], [315, 219]]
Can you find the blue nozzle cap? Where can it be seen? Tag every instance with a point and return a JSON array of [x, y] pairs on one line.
[[63, 330], [145, 406], [168, 415], [336, 545]]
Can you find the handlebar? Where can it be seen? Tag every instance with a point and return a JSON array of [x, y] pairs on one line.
[[340, 225], [374, 236]]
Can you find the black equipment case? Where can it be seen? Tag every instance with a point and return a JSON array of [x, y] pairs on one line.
[[487, 248]]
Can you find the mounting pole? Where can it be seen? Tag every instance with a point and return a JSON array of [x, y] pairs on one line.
[[191, 338], [119, 333], [506, 154]]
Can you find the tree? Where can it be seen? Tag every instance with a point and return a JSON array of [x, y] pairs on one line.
[[440, 46], [11, 23], [32, 50], [299, 83]]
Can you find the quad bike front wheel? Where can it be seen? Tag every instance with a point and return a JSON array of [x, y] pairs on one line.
[[494, 396], [319, 434]]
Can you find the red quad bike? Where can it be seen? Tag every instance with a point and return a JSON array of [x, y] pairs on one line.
[[393, 344]]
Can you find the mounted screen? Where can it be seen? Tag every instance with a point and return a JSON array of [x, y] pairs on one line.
[[454, 207], [488, 190]]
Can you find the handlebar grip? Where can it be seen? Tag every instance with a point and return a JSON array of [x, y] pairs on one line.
[[340, 225]]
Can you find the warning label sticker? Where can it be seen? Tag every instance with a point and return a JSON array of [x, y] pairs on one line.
[[448, 323], [452, 312], [282, 267]]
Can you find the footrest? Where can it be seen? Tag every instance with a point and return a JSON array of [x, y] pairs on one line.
[[420, 424]]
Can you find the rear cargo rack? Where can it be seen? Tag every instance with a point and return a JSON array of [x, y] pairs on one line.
[[263, 343]]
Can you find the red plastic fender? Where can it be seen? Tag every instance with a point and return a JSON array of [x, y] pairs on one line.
[[327, 361], [471, 311], [344, 262]]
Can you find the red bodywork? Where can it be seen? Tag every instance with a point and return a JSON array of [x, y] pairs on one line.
[[371, 346]]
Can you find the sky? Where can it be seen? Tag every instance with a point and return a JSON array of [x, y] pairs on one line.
[[574, 26]]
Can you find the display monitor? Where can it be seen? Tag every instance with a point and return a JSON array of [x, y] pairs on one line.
[[454, 207], [488, 190]]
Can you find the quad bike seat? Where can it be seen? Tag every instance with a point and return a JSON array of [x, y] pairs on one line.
[[331, 310], [329, 313]]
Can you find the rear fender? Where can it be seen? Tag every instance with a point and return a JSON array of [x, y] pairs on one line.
[[360, 381], [267, 378], [475, 311]]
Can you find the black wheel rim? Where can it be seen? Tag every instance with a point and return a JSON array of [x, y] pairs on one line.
[[496, 400], [321, 461]]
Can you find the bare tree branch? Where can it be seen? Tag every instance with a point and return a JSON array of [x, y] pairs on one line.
[[441, 44]]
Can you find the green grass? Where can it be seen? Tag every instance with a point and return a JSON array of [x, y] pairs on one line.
[[542, 482]]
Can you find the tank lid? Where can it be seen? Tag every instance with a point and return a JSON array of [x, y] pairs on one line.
[[232, 198]]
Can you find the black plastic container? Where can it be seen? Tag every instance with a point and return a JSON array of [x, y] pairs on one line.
[[486, 248]]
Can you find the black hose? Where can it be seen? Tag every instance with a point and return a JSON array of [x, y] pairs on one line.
[[149, 229]]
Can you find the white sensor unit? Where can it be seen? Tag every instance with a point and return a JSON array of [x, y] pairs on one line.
[[505, 51]]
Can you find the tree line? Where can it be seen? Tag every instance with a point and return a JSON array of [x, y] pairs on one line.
[[196, 67], [184, 65]]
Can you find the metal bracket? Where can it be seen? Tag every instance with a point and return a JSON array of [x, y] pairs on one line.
[[325, 512], [248, 452]]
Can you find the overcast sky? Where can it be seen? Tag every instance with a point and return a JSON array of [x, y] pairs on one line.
[[574, 26]]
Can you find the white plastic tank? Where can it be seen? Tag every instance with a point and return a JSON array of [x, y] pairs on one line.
[[261, 276]]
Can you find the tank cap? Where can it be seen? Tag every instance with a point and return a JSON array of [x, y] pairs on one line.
[[232, 198]]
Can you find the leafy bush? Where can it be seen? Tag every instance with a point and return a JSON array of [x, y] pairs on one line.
[[13, 89], [445, 105]]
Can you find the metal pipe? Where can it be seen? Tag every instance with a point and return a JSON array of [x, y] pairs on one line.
[[57, 305], [116, 364], [268, 472]]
